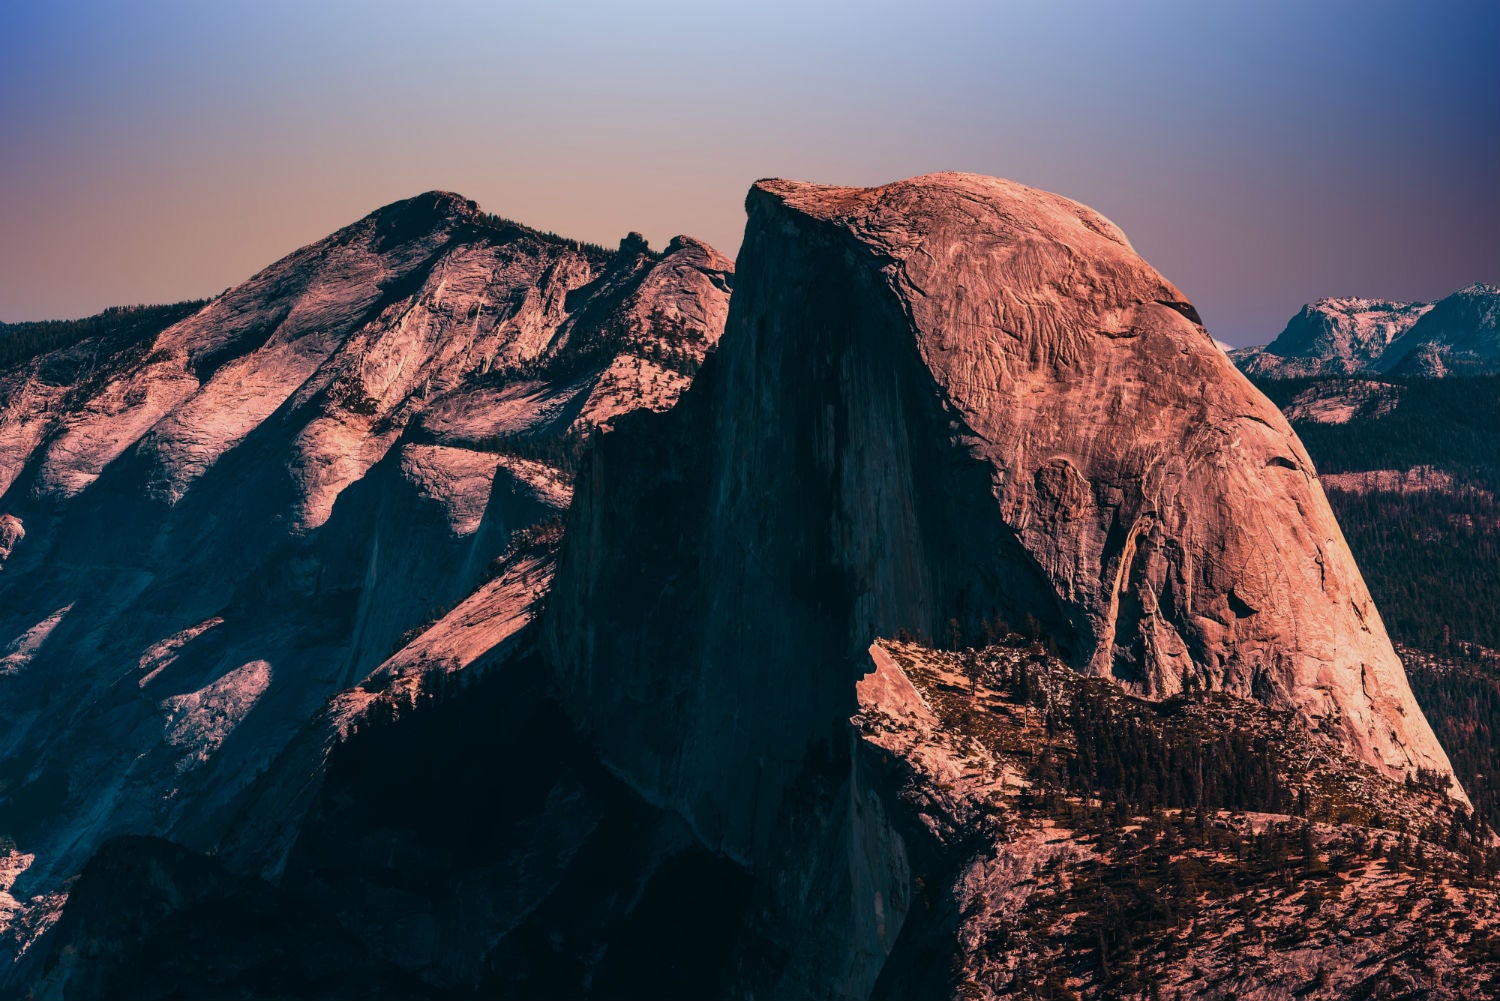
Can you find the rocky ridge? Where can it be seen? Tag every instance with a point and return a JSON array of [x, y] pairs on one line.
[[240, 509], [1460, 335], [1334, 337]]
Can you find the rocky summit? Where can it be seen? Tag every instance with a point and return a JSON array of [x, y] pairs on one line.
[[464, 616]]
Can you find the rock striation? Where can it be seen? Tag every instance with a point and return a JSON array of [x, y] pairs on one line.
[[941, 402], [940, 405]]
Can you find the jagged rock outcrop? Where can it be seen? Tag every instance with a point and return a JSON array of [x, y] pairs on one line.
[[1456, 334], [11, 534], [235, 510]]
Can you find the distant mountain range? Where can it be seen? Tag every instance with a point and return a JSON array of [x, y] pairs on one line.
[[1457, 335]]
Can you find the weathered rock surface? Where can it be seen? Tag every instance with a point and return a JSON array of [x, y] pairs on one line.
[[234, 511], [970, 400], [938, 404]]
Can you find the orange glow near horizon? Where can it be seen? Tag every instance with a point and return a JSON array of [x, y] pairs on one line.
[[1260, 156]]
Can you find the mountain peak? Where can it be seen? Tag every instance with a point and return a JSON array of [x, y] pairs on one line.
[[942, 407], [932, 195], [434, 205], [1460, 333], [400, 358], [934, 448], [1350, 335]]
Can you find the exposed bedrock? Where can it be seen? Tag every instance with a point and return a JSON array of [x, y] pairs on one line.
[[939, 403]]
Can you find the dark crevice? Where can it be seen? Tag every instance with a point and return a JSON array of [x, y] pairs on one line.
[[1187, 309]]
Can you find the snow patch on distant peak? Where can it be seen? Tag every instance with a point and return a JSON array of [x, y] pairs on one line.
[[1355, 304]]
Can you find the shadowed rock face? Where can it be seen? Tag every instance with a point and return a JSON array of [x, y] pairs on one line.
[[937, 403]]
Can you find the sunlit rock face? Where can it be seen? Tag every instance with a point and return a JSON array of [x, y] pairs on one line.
[[957, 398], [1174, 513], [939, 403], [210, 529]]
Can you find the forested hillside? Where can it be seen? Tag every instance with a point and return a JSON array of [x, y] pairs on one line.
[[116, 327], [1428, 544], [1452, 423]]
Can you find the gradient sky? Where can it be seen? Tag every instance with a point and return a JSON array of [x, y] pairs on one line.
[[1259, 154]]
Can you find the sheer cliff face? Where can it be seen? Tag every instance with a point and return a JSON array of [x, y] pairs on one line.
[[939, 403], [1173, 509], [209, 531]]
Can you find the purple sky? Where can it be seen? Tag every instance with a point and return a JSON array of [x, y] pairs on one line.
[[1259, 154]]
